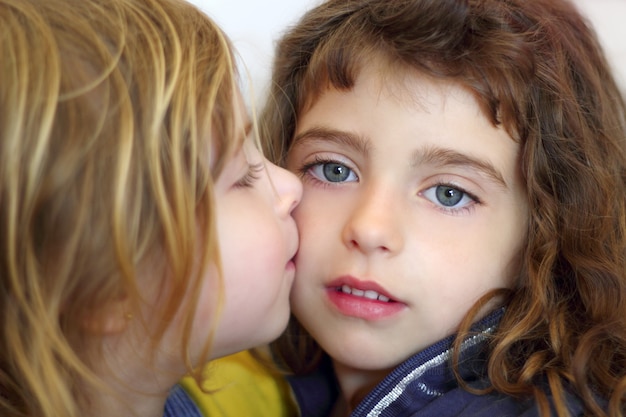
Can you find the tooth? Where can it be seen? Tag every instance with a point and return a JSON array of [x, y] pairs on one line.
[[369, 294], [372, 295]]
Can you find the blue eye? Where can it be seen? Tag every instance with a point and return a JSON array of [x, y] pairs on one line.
[[335, 172], [449, 196], [331, 171]]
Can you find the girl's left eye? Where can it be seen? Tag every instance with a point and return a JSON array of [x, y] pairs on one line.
[[251, 175], [448, 196]]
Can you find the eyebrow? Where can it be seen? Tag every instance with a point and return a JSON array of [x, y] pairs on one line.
[[321, 134], [449, 157]]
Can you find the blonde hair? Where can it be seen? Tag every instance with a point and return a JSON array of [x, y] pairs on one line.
[[116, 116]]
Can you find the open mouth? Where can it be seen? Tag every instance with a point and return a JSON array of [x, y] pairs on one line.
[[369, 294], [362, 299]]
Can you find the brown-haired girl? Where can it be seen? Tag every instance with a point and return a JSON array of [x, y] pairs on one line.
[[463, 225]]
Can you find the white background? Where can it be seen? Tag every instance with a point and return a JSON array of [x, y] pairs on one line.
[[254, 26]]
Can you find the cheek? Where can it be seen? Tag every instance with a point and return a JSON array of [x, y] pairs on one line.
[[505, 253], [464, 267], [318, 218], [254, 260], [211, 291]]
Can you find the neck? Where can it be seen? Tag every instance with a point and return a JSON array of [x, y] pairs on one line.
[[135, 385], [132, 404], [355, 384]]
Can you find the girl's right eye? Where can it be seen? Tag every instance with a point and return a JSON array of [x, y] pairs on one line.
[[329, 171]]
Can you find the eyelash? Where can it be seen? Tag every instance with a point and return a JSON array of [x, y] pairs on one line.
[[251, 176]]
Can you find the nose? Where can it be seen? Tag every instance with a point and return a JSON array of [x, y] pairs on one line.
[[287, 187], [375, 224]]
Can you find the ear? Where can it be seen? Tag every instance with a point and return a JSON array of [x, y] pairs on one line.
[[111, 319]]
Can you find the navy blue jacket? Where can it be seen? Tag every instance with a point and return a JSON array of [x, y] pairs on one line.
[[424, 386], [180, 404]]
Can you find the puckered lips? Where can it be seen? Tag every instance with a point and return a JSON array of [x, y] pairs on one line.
[[362, 299]]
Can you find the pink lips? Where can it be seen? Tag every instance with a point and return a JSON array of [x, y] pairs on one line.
[[291, 266], [362, 299]]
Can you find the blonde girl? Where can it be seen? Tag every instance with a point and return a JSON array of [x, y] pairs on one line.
[[140, 232]]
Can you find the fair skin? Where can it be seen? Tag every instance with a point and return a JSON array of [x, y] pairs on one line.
[[258, 240], [413, 208]]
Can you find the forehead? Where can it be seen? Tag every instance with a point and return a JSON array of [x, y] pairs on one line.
[[395, 74], [413, 113], [392, 76], [389, 79]]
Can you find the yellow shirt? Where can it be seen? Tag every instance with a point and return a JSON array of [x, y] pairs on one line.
[[239, 386]]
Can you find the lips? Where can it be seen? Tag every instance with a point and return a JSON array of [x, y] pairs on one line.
[[362, 299], [296, 246], [358, 288]]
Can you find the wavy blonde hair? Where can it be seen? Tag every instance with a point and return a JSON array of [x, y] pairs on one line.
[[116, 116], [537, 70]]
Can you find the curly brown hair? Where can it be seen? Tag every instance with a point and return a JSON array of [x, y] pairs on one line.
[[537, 69]]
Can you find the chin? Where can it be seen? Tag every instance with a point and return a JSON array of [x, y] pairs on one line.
[[367, 362], [282, 321], [364, 356], [278, 322]]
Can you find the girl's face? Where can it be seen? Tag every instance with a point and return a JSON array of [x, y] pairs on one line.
[[413, 208], [258, 240]]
